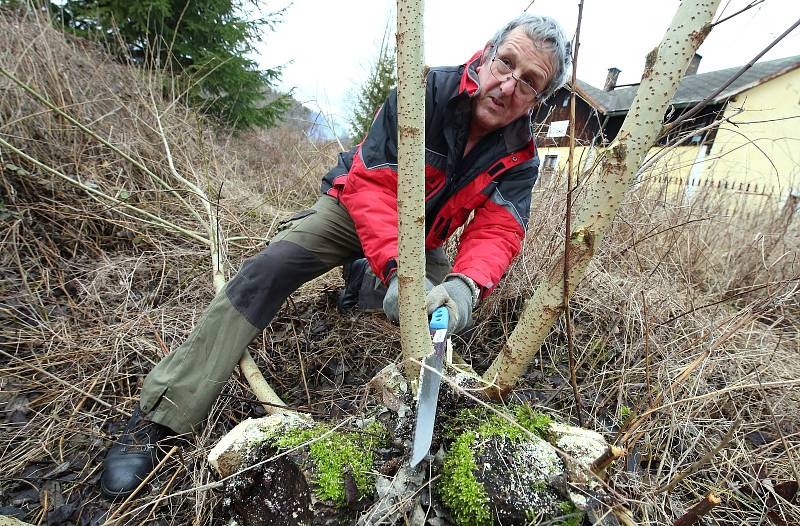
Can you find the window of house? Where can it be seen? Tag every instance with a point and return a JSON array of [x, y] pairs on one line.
[[550, 163]]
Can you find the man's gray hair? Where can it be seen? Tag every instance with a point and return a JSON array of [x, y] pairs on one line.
[[543, 31]]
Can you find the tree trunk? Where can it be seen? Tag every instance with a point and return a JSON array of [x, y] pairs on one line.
[[663, 72], [414, 337]]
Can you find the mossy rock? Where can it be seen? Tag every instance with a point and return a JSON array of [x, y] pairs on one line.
[[342, 463], [499, 472], [292, 471]]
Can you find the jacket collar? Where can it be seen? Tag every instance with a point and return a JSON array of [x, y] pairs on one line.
[[469, 76]]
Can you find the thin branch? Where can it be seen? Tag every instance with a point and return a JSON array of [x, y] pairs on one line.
[[730, 389], [667, 149], [573, 380], [272, 403], [727, 298], [702, 461], [787, 449], [739, 12], [154, 219], [33, 93], [65, 383], [174, 171]]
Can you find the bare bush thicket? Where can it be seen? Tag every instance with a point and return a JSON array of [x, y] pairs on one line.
[[686, 324]]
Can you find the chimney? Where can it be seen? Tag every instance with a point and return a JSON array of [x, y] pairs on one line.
[[611, 79], [693, 65]]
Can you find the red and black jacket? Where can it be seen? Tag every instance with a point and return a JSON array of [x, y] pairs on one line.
[[495, 180]]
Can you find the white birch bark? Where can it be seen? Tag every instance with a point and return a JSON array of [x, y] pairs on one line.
[[663, 72], [414, 334]]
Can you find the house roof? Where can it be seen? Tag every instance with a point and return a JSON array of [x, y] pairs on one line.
[[693, 88]]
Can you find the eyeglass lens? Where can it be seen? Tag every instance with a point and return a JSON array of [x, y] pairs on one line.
[[502, 71]]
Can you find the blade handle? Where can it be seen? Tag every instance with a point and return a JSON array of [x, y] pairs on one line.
[[439, 318]]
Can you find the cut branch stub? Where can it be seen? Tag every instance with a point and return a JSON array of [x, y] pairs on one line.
[[611, 454], [697, 511]]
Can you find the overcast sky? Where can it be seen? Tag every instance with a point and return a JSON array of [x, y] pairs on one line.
[[326, 46]]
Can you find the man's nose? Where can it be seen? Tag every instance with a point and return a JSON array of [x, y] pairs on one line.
[[508, 85]]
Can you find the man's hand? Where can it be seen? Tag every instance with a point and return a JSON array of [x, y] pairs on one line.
[[390, 300], [460, 295]]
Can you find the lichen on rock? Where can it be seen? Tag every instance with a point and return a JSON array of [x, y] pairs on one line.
[[579, 448]]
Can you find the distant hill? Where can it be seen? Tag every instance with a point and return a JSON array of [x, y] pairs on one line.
[[300, 117]]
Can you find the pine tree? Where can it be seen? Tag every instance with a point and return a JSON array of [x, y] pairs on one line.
[[203, 44], [382, 79]]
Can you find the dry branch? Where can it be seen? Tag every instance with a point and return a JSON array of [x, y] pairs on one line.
[[608, 457], [573, 379]]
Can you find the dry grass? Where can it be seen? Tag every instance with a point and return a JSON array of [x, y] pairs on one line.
[[92, 296]]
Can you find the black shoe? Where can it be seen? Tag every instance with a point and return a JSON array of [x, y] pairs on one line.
[[133, 456]]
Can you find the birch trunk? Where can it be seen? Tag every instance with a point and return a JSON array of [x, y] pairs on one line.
[[663, 72], [414, 334]]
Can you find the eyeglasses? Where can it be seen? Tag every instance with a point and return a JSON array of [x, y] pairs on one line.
[[501, 70]]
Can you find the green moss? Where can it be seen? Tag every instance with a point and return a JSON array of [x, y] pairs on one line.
[[540, 486], [488, 423], [572, 516], [625, 415], [459, 489], [534, 421], [334, 454]]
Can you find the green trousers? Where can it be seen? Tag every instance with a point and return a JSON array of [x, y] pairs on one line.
[[182, 387]]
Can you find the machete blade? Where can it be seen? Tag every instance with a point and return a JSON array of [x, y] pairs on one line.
[[430, 380]]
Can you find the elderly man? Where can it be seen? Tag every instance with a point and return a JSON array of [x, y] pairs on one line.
[[479, 156]]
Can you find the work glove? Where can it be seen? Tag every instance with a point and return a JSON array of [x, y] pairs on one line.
[[390, 306], [460, 295]]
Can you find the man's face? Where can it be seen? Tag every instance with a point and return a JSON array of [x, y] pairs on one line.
[[499, 101]]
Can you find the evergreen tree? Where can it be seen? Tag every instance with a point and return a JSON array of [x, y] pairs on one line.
[[382, 78], [203, 44]]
